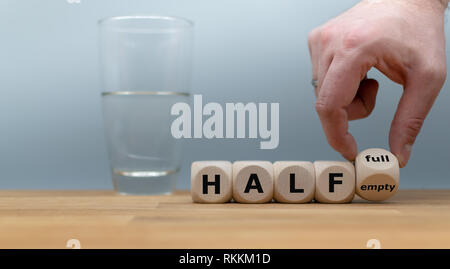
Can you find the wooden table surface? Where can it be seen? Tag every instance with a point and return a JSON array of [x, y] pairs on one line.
[[103, 219]]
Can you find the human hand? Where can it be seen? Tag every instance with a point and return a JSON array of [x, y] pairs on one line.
[[404, 39]]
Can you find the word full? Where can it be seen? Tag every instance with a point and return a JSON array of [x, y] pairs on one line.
[[382, 158], [296, 181], [235, 118]]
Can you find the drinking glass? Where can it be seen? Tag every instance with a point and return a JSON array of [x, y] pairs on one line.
[[145, 66]]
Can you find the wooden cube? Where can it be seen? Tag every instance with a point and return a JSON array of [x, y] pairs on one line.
[[377, 174], [294, 182], [335, 182], [211, 181], [252, 181]]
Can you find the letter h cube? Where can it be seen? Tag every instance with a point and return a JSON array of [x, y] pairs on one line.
[[211, 181]]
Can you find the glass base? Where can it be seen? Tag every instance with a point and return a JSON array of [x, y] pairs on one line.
[[144, 183]]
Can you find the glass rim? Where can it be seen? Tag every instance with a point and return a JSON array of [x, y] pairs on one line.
[[187, 22], [106, 93]]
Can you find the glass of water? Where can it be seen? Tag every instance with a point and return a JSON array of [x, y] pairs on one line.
[[145, 69]]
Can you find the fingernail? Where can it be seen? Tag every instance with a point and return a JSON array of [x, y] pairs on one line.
[[404, 155]]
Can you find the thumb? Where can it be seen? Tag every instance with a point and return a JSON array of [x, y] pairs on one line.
[[418, 97]]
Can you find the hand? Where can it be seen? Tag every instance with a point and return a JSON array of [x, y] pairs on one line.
[[404, 39]]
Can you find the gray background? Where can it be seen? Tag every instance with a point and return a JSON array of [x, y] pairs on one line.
[[245, 51]]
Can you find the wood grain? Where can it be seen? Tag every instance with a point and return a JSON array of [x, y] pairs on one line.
[[103, 219]]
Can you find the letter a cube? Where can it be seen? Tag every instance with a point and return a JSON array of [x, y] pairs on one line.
[[252, 181]]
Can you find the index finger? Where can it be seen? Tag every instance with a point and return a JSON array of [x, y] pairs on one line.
[[338, 90]]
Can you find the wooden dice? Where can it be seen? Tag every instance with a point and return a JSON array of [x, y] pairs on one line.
[[377, 173], [252, 181], [335, 181], [211, 181], [374, 177], [294, 182]]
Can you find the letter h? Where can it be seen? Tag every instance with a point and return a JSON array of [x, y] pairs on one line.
[[215, 183]]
